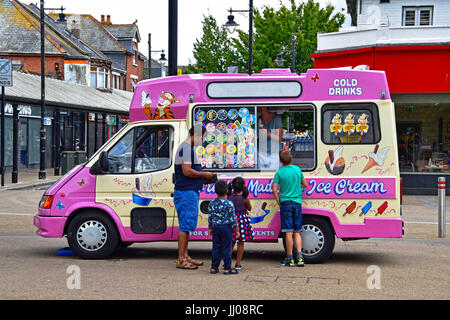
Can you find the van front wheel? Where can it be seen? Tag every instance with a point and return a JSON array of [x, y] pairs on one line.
[[92, 235]]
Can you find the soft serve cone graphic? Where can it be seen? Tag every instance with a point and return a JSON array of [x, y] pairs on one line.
[[376, 158]]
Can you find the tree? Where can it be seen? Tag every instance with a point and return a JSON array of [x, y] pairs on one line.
[[214, 51], [274, 29]]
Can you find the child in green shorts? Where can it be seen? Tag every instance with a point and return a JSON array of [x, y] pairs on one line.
[[289, 178]]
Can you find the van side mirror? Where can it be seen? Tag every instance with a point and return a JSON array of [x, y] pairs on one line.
[[101, 166]]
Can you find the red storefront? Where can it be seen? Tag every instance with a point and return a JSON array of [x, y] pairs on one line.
[[419, 80]]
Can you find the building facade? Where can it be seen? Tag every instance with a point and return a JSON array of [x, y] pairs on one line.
[[410, 41], [77, 118]]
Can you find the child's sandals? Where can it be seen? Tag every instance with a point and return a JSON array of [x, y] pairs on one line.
[[231, 271], [213, 271]]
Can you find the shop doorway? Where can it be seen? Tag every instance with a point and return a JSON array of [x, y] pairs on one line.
[[408, 135], [23, 142]]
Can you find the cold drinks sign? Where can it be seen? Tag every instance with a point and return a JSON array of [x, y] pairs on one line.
[[5, 73], [345, 87]]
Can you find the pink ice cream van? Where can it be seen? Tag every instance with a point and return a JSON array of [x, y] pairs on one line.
[[338, 124]]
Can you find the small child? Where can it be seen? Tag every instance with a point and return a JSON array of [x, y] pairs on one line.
[[290, 179], [238, 194], [221, 222]]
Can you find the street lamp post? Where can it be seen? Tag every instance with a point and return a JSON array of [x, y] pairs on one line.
[[294, 42], [280, 61], [42, 173], [162, 60], [231, 27]]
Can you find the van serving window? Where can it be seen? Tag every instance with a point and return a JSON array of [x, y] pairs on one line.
[[254, 89], [346, 123]]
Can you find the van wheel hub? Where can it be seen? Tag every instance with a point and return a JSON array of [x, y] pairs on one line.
[[312, 240], [91, 235]]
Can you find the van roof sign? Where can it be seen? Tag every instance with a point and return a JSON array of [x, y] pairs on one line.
[[169, 97]]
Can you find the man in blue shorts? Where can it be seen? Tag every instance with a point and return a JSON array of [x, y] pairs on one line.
[[290, 179], [188, 184]]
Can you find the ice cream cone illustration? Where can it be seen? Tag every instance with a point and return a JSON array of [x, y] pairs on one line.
[[349, 126], [143, 193], [336, 127], [146, 102], [335, 163], [362, 127], [376, 158]]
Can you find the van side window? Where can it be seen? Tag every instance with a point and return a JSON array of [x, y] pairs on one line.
[[153, 149], [299, 136], [350, 124], [121, 154], [142, 149]]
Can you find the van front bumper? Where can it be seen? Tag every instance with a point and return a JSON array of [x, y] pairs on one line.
[[49, 227]]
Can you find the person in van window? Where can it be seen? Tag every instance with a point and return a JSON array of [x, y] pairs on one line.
[[188, 184], [270, 129], [289, 178]]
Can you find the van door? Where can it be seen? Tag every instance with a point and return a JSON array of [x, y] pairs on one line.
[[138, 186]]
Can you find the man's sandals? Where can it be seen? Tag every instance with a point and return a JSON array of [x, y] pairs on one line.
[[188, 263]]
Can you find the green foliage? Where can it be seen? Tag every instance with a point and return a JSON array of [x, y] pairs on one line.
[[273, 31], [214, 52]]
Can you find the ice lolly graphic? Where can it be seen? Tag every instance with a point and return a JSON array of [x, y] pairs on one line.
[[376, 158], [366, 208], [382, 208], [350, 208]]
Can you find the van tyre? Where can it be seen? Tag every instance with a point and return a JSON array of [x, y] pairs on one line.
[[92, 235], [318, 239]]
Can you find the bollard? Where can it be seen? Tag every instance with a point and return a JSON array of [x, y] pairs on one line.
[[441, 208]]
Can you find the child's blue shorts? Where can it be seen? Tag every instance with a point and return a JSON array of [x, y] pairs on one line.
[[291, 216], [186, 204]]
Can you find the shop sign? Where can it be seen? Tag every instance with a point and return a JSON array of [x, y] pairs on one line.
[[124, 119], [111, 120], [47, 122], [6, 73], [23, 110]]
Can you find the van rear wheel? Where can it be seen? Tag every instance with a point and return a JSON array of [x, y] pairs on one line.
[[318, 239], [92, 235]]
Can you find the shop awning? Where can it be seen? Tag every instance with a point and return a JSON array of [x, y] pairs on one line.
[[63, 94]]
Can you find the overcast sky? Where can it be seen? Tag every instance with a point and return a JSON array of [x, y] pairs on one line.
[[152, 16]]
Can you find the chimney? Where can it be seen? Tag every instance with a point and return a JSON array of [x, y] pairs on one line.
[[74, 25], [103, 18], [108, 19]]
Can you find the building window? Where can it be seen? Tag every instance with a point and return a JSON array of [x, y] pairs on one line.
[[134, 53], [384, 1], [134, 82], [99, 78], [417, 16], [116, 81]]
